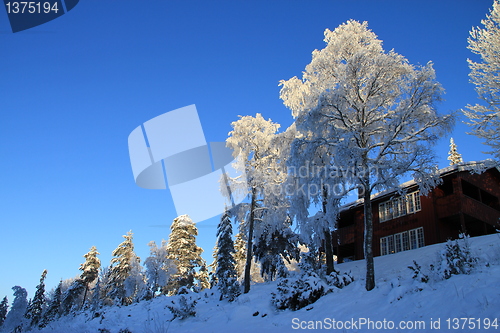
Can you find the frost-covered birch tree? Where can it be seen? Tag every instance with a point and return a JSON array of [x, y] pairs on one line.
[[373, 112], [485, 42], [158, 268], [310, 185], [251, 141]]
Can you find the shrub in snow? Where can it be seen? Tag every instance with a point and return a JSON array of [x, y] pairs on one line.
[[417, 273], [296, 293], [456, 258], [339, 280], [184, 305]]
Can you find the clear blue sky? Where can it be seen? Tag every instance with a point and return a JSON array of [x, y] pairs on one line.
[[73, 89]]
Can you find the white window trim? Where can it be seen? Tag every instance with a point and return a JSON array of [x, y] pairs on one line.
[[388, 244], [397, 207]]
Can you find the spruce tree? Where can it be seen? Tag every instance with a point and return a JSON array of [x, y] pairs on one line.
[[90, 270], [453, 156], [184, 252], [53, 309], [35, 308], [96, 301], [15, 320], [4, 305], [240, 247], [226, 275], [71, 297], [119, 270]]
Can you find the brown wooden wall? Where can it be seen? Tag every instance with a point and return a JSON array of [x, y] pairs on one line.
[[443, 212]]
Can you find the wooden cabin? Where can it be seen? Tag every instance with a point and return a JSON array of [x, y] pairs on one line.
[[464, 202]]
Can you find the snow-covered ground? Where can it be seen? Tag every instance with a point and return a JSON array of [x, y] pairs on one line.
[[462, 302]]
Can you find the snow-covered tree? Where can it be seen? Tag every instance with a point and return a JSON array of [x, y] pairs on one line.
[[203, 278], [15, 320], [53, 308], [252, 142], [240, 254], [453, 155], [4, 307], [184, 253], [135, 283], [119, 270], [36, 306], [90, 270], [310, 167], [96, 301], [372, 111], [213, 267], [485, 42], [72, 297], [276, 244], [225, 273], [158, 268]]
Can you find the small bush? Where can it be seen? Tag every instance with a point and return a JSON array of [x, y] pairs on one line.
[[339, 280], [456, 258], [296, 293], [417, 273], [184, 306]]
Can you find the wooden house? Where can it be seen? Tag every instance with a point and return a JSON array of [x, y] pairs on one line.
[[464, 202]]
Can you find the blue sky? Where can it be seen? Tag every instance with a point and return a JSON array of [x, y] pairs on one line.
[[73, 89]]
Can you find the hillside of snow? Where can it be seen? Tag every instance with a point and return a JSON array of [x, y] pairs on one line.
[[462, 303]]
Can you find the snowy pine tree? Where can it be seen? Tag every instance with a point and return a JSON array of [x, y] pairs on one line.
[[96, 302], [53, 308], [119, 271], [90, 270], [15, 320], [184, 253], [36, 306], [203, 278], [213, 267], [226, 275], [4, 306], [453, 156], [71, 298], [240, 248]]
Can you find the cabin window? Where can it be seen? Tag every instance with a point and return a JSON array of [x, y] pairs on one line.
[[399, 206], [403, 241]]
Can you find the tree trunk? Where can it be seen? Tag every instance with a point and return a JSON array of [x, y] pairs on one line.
[[328, 238], [248, 264], [368, 241]]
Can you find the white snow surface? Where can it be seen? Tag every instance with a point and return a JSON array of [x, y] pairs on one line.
[[396, 298]]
